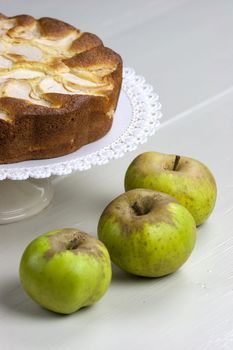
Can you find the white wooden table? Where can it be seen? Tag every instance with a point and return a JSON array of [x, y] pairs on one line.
[[185, 49]]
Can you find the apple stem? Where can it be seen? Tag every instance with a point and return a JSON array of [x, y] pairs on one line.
[[176, 162], [73, 244]]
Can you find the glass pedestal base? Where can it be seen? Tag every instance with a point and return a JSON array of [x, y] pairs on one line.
[[22, 199]]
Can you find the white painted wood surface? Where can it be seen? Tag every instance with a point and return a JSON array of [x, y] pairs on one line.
[[185, 49]]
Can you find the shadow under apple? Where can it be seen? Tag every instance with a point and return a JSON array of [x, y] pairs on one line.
[[120, 276], [14, 300]]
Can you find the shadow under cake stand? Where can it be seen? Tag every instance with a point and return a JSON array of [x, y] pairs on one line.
[[26, 187]]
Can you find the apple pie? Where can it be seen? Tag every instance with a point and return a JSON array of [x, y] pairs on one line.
[[59, 88]]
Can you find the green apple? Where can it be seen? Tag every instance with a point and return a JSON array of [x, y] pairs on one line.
[[147, 233], [186, 179], [64, 270]]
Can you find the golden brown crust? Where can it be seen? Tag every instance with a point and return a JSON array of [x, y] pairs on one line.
[[85, 42], [94, 57], [25, 20], [66, 121], [52, 28], [54, 135], [2, 15]]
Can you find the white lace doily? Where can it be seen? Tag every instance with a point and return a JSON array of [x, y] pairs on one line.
[[137, 117]]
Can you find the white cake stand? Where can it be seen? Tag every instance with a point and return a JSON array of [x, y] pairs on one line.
[[26, 188]]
